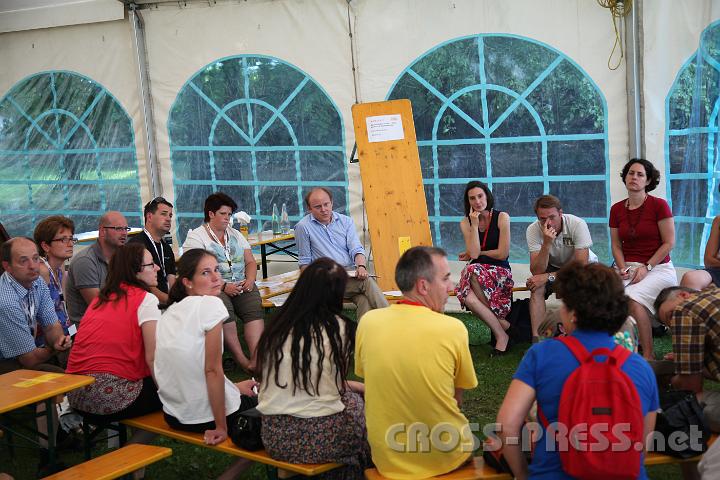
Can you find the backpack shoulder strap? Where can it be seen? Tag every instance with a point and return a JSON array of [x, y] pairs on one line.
[[621, 354], [575, 347], [580, 352]]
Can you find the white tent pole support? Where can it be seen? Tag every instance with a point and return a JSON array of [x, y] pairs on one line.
[[353, 50], [634, 80], [353, 58], [144, 84]]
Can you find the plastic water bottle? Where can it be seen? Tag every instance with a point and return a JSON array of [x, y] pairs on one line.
[[284, 221], [275, 220]]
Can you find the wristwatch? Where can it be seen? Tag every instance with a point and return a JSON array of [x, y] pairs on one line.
[[359, 266], [649, 267], [551, 277]]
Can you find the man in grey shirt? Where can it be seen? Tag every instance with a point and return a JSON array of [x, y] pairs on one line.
[[88, 269], [556, 238]]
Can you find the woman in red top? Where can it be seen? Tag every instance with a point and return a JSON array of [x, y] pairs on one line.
[[115, 343], [642, 232]]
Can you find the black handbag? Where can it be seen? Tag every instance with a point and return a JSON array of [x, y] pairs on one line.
[[496, 460], [681, 418], [246, 430]]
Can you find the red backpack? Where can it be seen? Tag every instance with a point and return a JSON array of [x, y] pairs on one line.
[[601, 409]]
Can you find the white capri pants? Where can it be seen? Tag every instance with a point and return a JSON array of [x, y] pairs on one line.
[[645, 292]]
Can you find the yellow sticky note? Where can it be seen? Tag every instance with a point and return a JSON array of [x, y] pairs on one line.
[[404, 244], [37, 380]]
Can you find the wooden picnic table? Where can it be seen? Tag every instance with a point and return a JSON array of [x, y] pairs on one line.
[[21, 388], [266, 239], [278, 285]]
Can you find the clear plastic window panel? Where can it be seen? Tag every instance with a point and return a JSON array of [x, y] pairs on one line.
[[691, 149], [259, 130], [514, 113], [66, 148]]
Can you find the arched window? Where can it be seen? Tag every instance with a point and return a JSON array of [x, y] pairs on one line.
[[516, 114], [66, 147], [261, 131], [691, 149]]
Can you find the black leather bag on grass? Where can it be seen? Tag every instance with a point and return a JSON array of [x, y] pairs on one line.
[[520, 330], [246, 431], [681, 411]]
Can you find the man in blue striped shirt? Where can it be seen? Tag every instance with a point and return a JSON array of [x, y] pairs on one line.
[[324, 233], [25, 304]]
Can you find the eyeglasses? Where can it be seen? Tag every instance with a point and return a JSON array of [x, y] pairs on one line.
[[65, 240], [118, 228], [144, 265]]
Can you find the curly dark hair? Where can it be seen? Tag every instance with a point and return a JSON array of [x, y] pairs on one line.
[[216, 201], [652, 173], [312, 311], [488, 194], [595, 293]]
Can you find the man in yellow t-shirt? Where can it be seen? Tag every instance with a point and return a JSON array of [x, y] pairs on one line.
[[416, 363]]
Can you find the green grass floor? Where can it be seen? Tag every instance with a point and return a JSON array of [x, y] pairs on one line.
[[190, 462]]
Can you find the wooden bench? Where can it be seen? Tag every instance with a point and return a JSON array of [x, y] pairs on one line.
[[286, 282], [114, 464], [471, 470], [478, 470], [155, 422]]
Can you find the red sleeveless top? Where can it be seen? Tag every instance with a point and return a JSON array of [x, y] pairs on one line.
[[109, 339]]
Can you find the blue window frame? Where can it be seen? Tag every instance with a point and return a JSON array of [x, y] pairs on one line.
[[517, 114], [691, 148], [258, 129], [66, 147]]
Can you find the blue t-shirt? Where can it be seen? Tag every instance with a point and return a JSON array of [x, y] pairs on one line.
[[546, 366]]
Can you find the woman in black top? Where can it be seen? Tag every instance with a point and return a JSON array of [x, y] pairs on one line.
[[486, 283]]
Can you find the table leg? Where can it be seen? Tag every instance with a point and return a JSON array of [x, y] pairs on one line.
[[263, 260], [49, 407]]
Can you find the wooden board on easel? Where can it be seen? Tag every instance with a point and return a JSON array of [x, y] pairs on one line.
[[392, 183]]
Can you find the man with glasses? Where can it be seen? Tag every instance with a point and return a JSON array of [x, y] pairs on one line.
[[158, 219], [88, 269]]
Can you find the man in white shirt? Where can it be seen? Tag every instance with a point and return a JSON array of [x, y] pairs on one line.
[[556, 238]]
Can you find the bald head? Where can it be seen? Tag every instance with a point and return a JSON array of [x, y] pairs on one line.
[[111, 218], [320, 205], [112, 231]]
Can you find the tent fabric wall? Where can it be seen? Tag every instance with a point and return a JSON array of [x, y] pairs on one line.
[[672, 32], [19, 15], [313, 35], [672, 35], [100, 52], [392, 35], [388, 37], [309, 35]]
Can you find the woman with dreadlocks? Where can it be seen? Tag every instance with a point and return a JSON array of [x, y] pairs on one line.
[[310, 413]]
